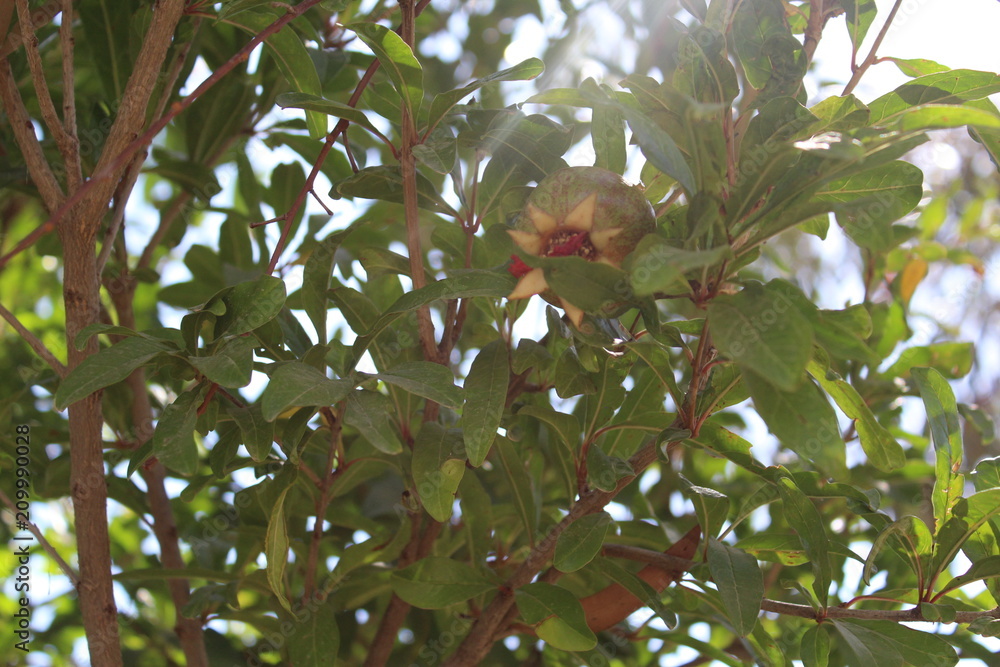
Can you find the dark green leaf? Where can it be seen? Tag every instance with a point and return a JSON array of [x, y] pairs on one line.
[[803, 516], [173, 439], [581, 542], [946, 433], [316, 641], [367, 411], [251, 305], [231, 365], [557, 616], [424, 378], [435, 583], [438, 466], [740, 584], [258, 433], [295, 384], [276, 549], [485, 398], [109, 366], [443, 102], [397, 61]]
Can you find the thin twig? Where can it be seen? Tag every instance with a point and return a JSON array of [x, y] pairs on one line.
[[37, 345], [863, 67], [70, 573], [896, 616]]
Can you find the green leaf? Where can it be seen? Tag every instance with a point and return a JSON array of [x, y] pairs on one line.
[[173, 439], [867, 202], [465, 285], [740, 584], [295, 384], [231, 365], [882, 450], [656, 266], [251, 305], [367, 411], [109, 366], [913, 541], [710, 506], [522, 493], [292, 58], [276, 549], [581, 542], [385, 182], [757, 26], [424, 378], [987, 568], [106, 28], [952, 360], [814, 647], [557, 616], [439, 150], [946, 433], [889, 643], [443, 102], [607, 133], [438, 466], [762, 330], [860, 14], [328, 107], [659, 148], [485, 391], [949, 87], [316, 641], [258, 433], [803, 516], [564, 426], [316, 280], [941, 116], [435, 583], [803, 420], [397, 61]]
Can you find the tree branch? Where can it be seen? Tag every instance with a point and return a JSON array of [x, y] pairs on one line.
[[37, 345], [70, 573], [863, 67]]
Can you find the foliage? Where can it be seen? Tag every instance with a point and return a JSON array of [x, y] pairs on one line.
[[345, 441]]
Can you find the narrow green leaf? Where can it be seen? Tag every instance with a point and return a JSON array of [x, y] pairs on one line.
[[397, 61], [109, 366], [424, 378], [485, 397], [276, 549], [948, 87], [581, 542], [657, 266], [443, 102], [987, 568], [557, 616], [952, 360], [740, 584], [814, 647], [385, 182], [292, 58], [316, 281], [325, 106], [946, 433], [914, 542], [659, 148], [438, 466], [435, 583], [564, 426], [803, 516], [882, 450], [710, 506], [522, 494], [295, 384]]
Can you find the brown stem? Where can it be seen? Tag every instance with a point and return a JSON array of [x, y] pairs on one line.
[[88, 487], [614, 603], [65, 567], [395, 613], [896, 616], [74, 173], [37, 345], [872, 55]]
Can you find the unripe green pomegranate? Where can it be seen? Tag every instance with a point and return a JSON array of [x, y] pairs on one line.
[[586, 212]]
